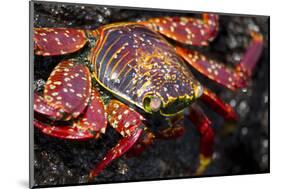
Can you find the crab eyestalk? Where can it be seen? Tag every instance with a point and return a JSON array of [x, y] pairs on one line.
[[198, 91], [152, 103]]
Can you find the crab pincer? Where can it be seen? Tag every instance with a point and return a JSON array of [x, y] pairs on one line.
[[67, 95], [58, 41]]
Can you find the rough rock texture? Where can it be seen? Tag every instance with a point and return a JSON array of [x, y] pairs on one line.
[[240, 148]]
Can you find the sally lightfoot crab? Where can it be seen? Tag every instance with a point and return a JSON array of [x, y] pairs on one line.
[[144, 73]]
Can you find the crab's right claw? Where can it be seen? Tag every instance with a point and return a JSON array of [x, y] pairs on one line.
[[58, 41]]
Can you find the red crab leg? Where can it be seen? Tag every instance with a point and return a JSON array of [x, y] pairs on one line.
[[88, 125], [203, 124], [222, 108], [226, 76], [186, 30], [173, 131], [128, 123], [143, 143], [58, 41]]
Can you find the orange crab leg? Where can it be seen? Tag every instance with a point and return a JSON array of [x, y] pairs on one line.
[[129, 124], [58, 41], [222, 108], [186, 30], [226, 76], [203, 124]]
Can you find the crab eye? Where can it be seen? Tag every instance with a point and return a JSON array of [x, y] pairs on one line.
[[152, 103], [198, 91]]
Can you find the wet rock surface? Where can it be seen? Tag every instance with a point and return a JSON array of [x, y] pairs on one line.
[[240, 148]]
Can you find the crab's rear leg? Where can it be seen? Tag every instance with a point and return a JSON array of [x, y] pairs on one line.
[[186, 30], [232, 78], [58, 41], [128, 123], [203, 124]]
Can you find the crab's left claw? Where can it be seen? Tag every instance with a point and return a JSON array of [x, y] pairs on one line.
[[68, 96], [58, 41], [89, 125]]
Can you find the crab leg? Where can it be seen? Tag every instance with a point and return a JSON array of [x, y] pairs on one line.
[[58, 41], [203, 124], [143, 143], [226, 76], [222, 108], [128, 123], [191, 31]]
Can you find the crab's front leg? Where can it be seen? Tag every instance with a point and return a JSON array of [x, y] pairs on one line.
[[187, 30], [231, 78], [128, 123]]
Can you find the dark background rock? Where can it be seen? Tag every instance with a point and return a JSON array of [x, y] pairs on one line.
[[240, 148]]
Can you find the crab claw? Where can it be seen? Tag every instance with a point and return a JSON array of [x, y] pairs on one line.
[[68, 89], [58, 41], [89, 125], [41, 106]]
